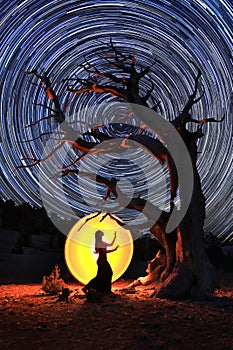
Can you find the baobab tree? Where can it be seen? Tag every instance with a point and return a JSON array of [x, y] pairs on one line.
[[181, 268]]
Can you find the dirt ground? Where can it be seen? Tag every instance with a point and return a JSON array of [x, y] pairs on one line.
[[30, 319]]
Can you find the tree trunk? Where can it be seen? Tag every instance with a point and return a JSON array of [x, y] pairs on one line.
[[188, 271]]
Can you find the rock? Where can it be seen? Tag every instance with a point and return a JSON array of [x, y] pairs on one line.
[[64, 295], [93, 296]]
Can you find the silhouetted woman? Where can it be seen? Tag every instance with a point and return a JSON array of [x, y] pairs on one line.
[[102, 282]]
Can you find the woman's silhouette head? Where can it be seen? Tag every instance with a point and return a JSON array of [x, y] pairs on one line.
[[98, 239]]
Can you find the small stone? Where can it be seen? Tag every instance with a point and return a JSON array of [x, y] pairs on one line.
[[108, 330], [189, 318]]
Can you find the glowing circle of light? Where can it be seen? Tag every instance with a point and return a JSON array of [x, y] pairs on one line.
[[80, 246]]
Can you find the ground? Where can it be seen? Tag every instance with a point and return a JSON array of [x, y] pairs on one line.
[[30, 319]]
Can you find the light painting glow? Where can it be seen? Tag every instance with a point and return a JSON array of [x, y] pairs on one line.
[[80, 246]]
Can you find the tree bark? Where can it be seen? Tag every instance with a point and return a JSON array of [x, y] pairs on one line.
[[193, 275]]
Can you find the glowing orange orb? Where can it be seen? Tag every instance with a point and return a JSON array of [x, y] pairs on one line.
[[80, 246]]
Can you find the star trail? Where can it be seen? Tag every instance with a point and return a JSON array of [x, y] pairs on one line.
[[58, 36]]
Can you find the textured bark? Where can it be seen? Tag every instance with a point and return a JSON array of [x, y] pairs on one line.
[[193, 274]]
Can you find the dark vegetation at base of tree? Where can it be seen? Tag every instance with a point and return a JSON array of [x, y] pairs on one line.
[[220, 255]]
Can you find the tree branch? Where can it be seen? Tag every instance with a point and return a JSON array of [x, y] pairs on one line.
[[137, 204], [191, 99], [37, 161], [98, 88], [207, 120], [148, 94], [46, 84]]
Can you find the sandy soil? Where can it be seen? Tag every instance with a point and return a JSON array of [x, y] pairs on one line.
[[30, 319]]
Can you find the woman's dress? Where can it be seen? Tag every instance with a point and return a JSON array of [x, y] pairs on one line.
[[102, 282]]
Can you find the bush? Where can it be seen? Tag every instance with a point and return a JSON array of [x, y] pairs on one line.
[[53, 284]]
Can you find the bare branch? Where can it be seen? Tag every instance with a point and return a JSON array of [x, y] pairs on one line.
[[192, 100], [134, 203], [38, 137], [185, 116], [40, 120], [207, 120], [155, 107], [49, 93], [96, 72], [119, 222], [148, 94], [88, 219], [47, 107], [94, 87], [143, 72], [37, 161]]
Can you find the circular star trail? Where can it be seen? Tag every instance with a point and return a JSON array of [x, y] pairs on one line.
[[58, 36]]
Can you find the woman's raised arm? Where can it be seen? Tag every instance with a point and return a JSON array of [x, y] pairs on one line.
[[112, 250], [114, 238]]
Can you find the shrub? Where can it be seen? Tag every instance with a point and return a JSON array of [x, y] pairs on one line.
[[53, 283]]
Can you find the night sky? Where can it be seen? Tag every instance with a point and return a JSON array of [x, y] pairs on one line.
[[58, 36]]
